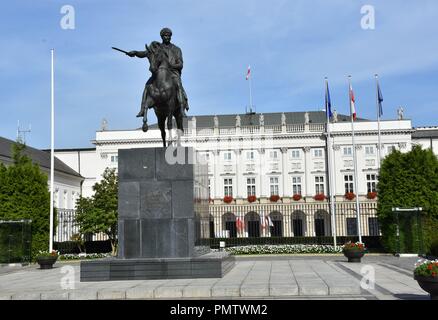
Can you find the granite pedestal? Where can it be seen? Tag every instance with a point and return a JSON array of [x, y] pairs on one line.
[[163, 216]]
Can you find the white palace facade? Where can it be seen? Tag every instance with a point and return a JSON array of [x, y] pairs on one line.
[[268, 173]]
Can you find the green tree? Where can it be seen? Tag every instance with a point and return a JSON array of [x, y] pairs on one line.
[[24, 194], [408, 180], [99, 212]]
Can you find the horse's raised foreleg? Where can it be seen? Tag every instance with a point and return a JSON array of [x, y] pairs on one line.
[[179, 125], [145, 120], [161, 125]]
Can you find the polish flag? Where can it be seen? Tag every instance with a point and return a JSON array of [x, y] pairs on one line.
[[248, 73], [239, 224], [352, 100]]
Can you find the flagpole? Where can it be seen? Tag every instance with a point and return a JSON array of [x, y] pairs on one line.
[[354, 163], [330, 161], [52, 143], [379, 145], [250, 89]]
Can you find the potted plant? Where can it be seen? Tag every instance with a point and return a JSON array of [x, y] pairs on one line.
[[426, 274], [319, 197], [228, 199], [372, 195], [350, 195], [46, 259], [274, 198], [252, 198], [354, 251], [296, 197]]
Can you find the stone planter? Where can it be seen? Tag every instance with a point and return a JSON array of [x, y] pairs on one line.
[[428, 284], [353, 255], [46, 262]]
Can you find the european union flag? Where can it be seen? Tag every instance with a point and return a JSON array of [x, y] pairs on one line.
[[328, 103], [380, 100]]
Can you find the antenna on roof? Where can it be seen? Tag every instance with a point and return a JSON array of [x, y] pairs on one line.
[[21, 134]]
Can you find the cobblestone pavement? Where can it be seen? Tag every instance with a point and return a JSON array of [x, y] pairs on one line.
[[253, 277]]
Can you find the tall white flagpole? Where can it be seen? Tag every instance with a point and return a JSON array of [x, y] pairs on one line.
[[379, 144], [330, 164], [52, 143], [250, 89], [354, 163]]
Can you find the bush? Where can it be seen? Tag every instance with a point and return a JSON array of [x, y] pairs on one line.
[[433, 249], [24, 194], [408, 180]]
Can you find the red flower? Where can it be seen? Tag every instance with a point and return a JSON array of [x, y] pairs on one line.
[[252, 198], [429, 267], [319, 197], [371, 195], [228, 199], [297, 197], [274, 198], [350, 195]]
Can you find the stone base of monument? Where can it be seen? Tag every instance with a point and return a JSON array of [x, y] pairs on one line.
[[163, 219], [211, 265]]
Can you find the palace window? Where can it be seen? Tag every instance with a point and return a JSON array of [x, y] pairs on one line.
[[227, 156], [250, 187], [114, 159], [274, 186], [390, 149], [317, 153], [319, 185], [296, 185], [273, 154], [250, 155], [373, 226], [348, 183], [228, 187], [369, 151], [295, 154], [352, 227], [347, 151], [371, 182]]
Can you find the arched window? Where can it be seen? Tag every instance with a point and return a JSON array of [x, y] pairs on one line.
[[298, 223], [252, 222], [322, 223], [229, 223], [276, 228]]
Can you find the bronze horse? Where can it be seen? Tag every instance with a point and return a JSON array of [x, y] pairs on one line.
[[163, 92]]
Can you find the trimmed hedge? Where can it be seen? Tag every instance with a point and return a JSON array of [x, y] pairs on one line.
[[70, 247]]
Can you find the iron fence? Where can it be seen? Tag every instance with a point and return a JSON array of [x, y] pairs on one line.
[[67, 227]]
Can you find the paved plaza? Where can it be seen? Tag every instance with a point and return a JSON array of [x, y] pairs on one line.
[[253, 277]]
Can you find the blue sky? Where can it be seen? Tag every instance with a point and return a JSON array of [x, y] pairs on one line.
[[290, 45]]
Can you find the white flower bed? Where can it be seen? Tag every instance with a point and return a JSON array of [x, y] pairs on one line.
[[284, 249], [74, 256]]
